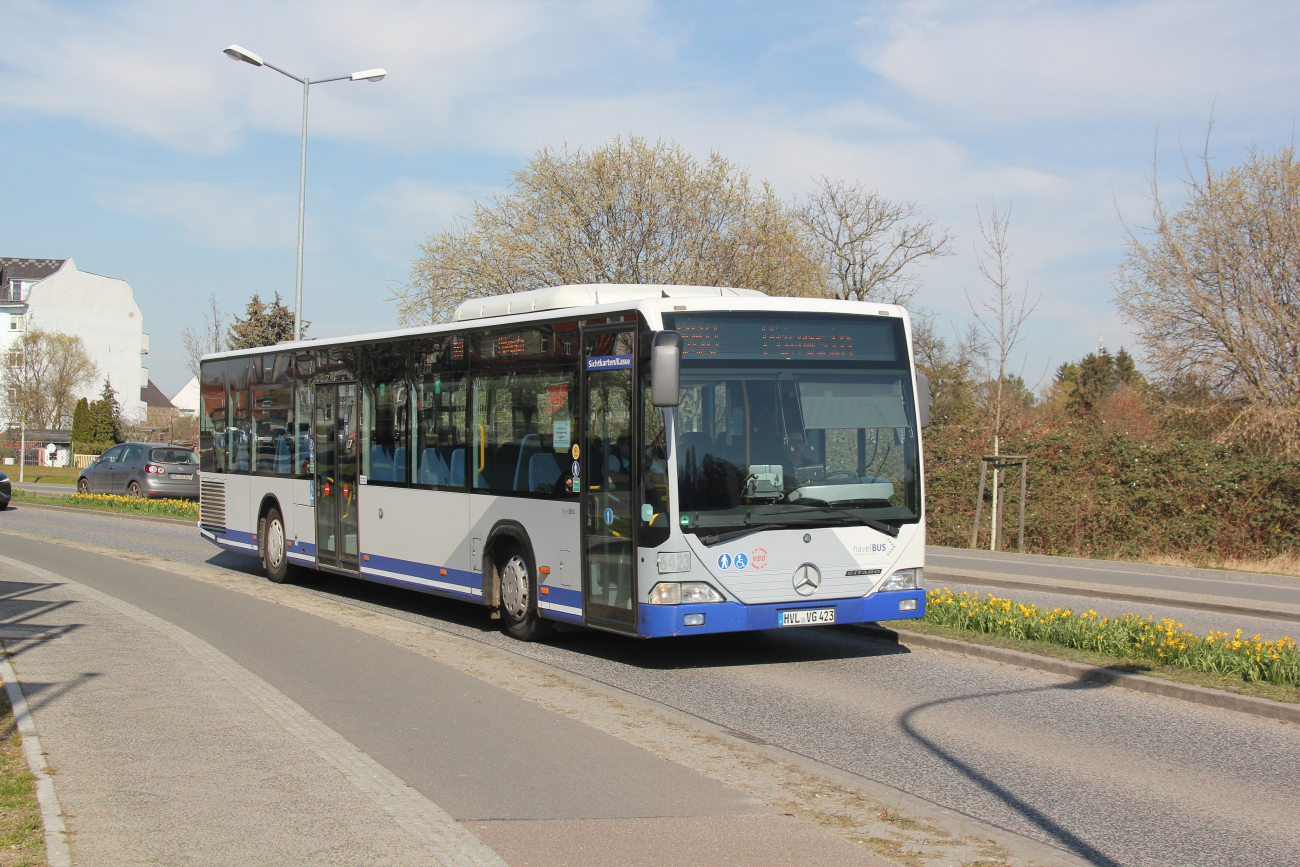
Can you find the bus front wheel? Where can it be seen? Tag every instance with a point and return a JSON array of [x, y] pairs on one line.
[[275, 559], [519, 615]]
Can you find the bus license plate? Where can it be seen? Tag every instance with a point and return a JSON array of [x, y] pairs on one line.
[[805, 617]]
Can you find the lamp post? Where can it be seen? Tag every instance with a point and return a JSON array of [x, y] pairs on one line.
[[234, 52]]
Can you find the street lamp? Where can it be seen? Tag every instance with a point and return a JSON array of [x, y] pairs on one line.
[[234, 52]]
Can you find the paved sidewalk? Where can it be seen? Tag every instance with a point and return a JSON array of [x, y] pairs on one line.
[[163, 760], [164, 750]]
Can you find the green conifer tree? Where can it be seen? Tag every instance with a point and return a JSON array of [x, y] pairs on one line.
[[80, 424], [263, 324]]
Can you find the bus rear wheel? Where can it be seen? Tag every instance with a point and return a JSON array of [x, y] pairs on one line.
[[519, 614], [275, 559]]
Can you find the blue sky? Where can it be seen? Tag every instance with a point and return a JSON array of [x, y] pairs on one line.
[[134, 146]]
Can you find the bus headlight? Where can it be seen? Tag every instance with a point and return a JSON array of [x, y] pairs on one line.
[[673, 561], [683, 592], [903, 579]]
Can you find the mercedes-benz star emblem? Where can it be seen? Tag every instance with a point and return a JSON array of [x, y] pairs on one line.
[[807, 578]]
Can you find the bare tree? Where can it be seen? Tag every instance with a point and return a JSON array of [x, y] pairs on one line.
[[211, 337], [628, 212], [1000, 314], [948, 366], [1213, 289], [867, 242], [44, 372]]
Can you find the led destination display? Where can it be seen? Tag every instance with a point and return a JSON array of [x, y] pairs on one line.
[[738, 335]]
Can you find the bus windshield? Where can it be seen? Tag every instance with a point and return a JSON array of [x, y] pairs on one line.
[[806, 422]]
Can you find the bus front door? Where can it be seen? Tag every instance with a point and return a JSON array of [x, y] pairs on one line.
[[334, 427], [608, 467]]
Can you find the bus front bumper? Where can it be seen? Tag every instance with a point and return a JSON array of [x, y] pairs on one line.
[[659, 621]]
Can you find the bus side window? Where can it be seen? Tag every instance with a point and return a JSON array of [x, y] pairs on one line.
[[439, 399], [237, 440], [654, 474], [213, 414]]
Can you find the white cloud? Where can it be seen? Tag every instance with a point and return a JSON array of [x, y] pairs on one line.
[[209, 215], [1026, 62], [155, 68], [403, 213]]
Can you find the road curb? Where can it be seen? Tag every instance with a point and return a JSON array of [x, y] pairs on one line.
[[57, 851], [1247, 704]]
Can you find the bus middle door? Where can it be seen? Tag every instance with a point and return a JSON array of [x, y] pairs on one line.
[[607, 479], [335, 426]]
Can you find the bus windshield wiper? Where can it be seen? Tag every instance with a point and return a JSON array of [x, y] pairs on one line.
[[736, 534], [888, 529], [882, 527]]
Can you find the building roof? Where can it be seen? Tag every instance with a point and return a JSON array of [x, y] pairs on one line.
[[153, 397], [27, 269]]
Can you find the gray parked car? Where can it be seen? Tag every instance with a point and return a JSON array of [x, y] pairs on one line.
[[143, 470]]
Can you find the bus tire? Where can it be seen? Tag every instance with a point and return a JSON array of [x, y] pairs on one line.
[[271, 539], [517, 577]]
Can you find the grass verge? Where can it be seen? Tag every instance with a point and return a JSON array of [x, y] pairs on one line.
[[182, 509], [43, 475], [22, 837]]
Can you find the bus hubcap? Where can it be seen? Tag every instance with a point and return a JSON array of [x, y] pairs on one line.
[[514, 588], [275, 544]]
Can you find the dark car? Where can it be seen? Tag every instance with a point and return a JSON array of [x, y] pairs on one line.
[[5, 491], [143, 470]]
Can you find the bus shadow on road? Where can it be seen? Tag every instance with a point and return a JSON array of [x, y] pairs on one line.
[[728, 650], [719, 650]]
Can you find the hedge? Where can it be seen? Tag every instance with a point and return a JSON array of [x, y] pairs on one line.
[[1097, 494]]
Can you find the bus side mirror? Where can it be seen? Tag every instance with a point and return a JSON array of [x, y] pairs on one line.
[[665, 368], [923, 399]]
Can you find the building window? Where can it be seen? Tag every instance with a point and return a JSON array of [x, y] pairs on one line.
[[16, 322], [16, 290]]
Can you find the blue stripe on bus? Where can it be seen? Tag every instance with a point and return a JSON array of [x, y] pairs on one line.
[[457, 582], [659, 621], [558, 604]]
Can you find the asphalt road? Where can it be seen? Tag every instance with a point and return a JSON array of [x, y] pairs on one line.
[[46, 488], [1116, 777], [1246, 593]]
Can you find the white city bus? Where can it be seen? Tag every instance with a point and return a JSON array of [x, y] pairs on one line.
[[649, 460]]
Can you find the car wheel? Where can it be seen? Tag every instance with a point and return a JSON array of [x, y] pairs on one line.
[[519, 614], [83, 485], [133, 490], [270, 536]]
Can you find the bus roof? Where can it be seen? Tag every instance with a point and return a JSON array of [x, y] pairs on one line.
[[587, 295], [593, 298]]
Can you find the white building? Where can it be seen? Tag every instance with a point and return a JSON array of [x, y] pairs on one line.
[[187, 399], [53, 295]]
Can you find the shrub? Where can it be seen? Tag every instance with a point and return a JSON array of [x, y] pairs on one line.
[[1095, 493]]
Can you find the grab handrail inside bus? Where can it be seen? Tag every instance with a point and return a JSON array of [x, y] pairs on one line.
[[482, 447]]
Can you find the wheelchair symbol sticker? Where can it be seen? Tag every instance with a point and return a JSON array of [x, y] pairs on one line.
[[741, 561]]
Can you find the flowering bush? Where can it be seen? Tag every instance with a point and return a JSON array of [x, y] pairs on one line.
[[1130, 636], [165, 508]]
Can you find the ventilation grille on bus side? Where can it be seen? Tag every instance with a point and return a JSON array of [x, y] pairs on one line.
[[212, 503]]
